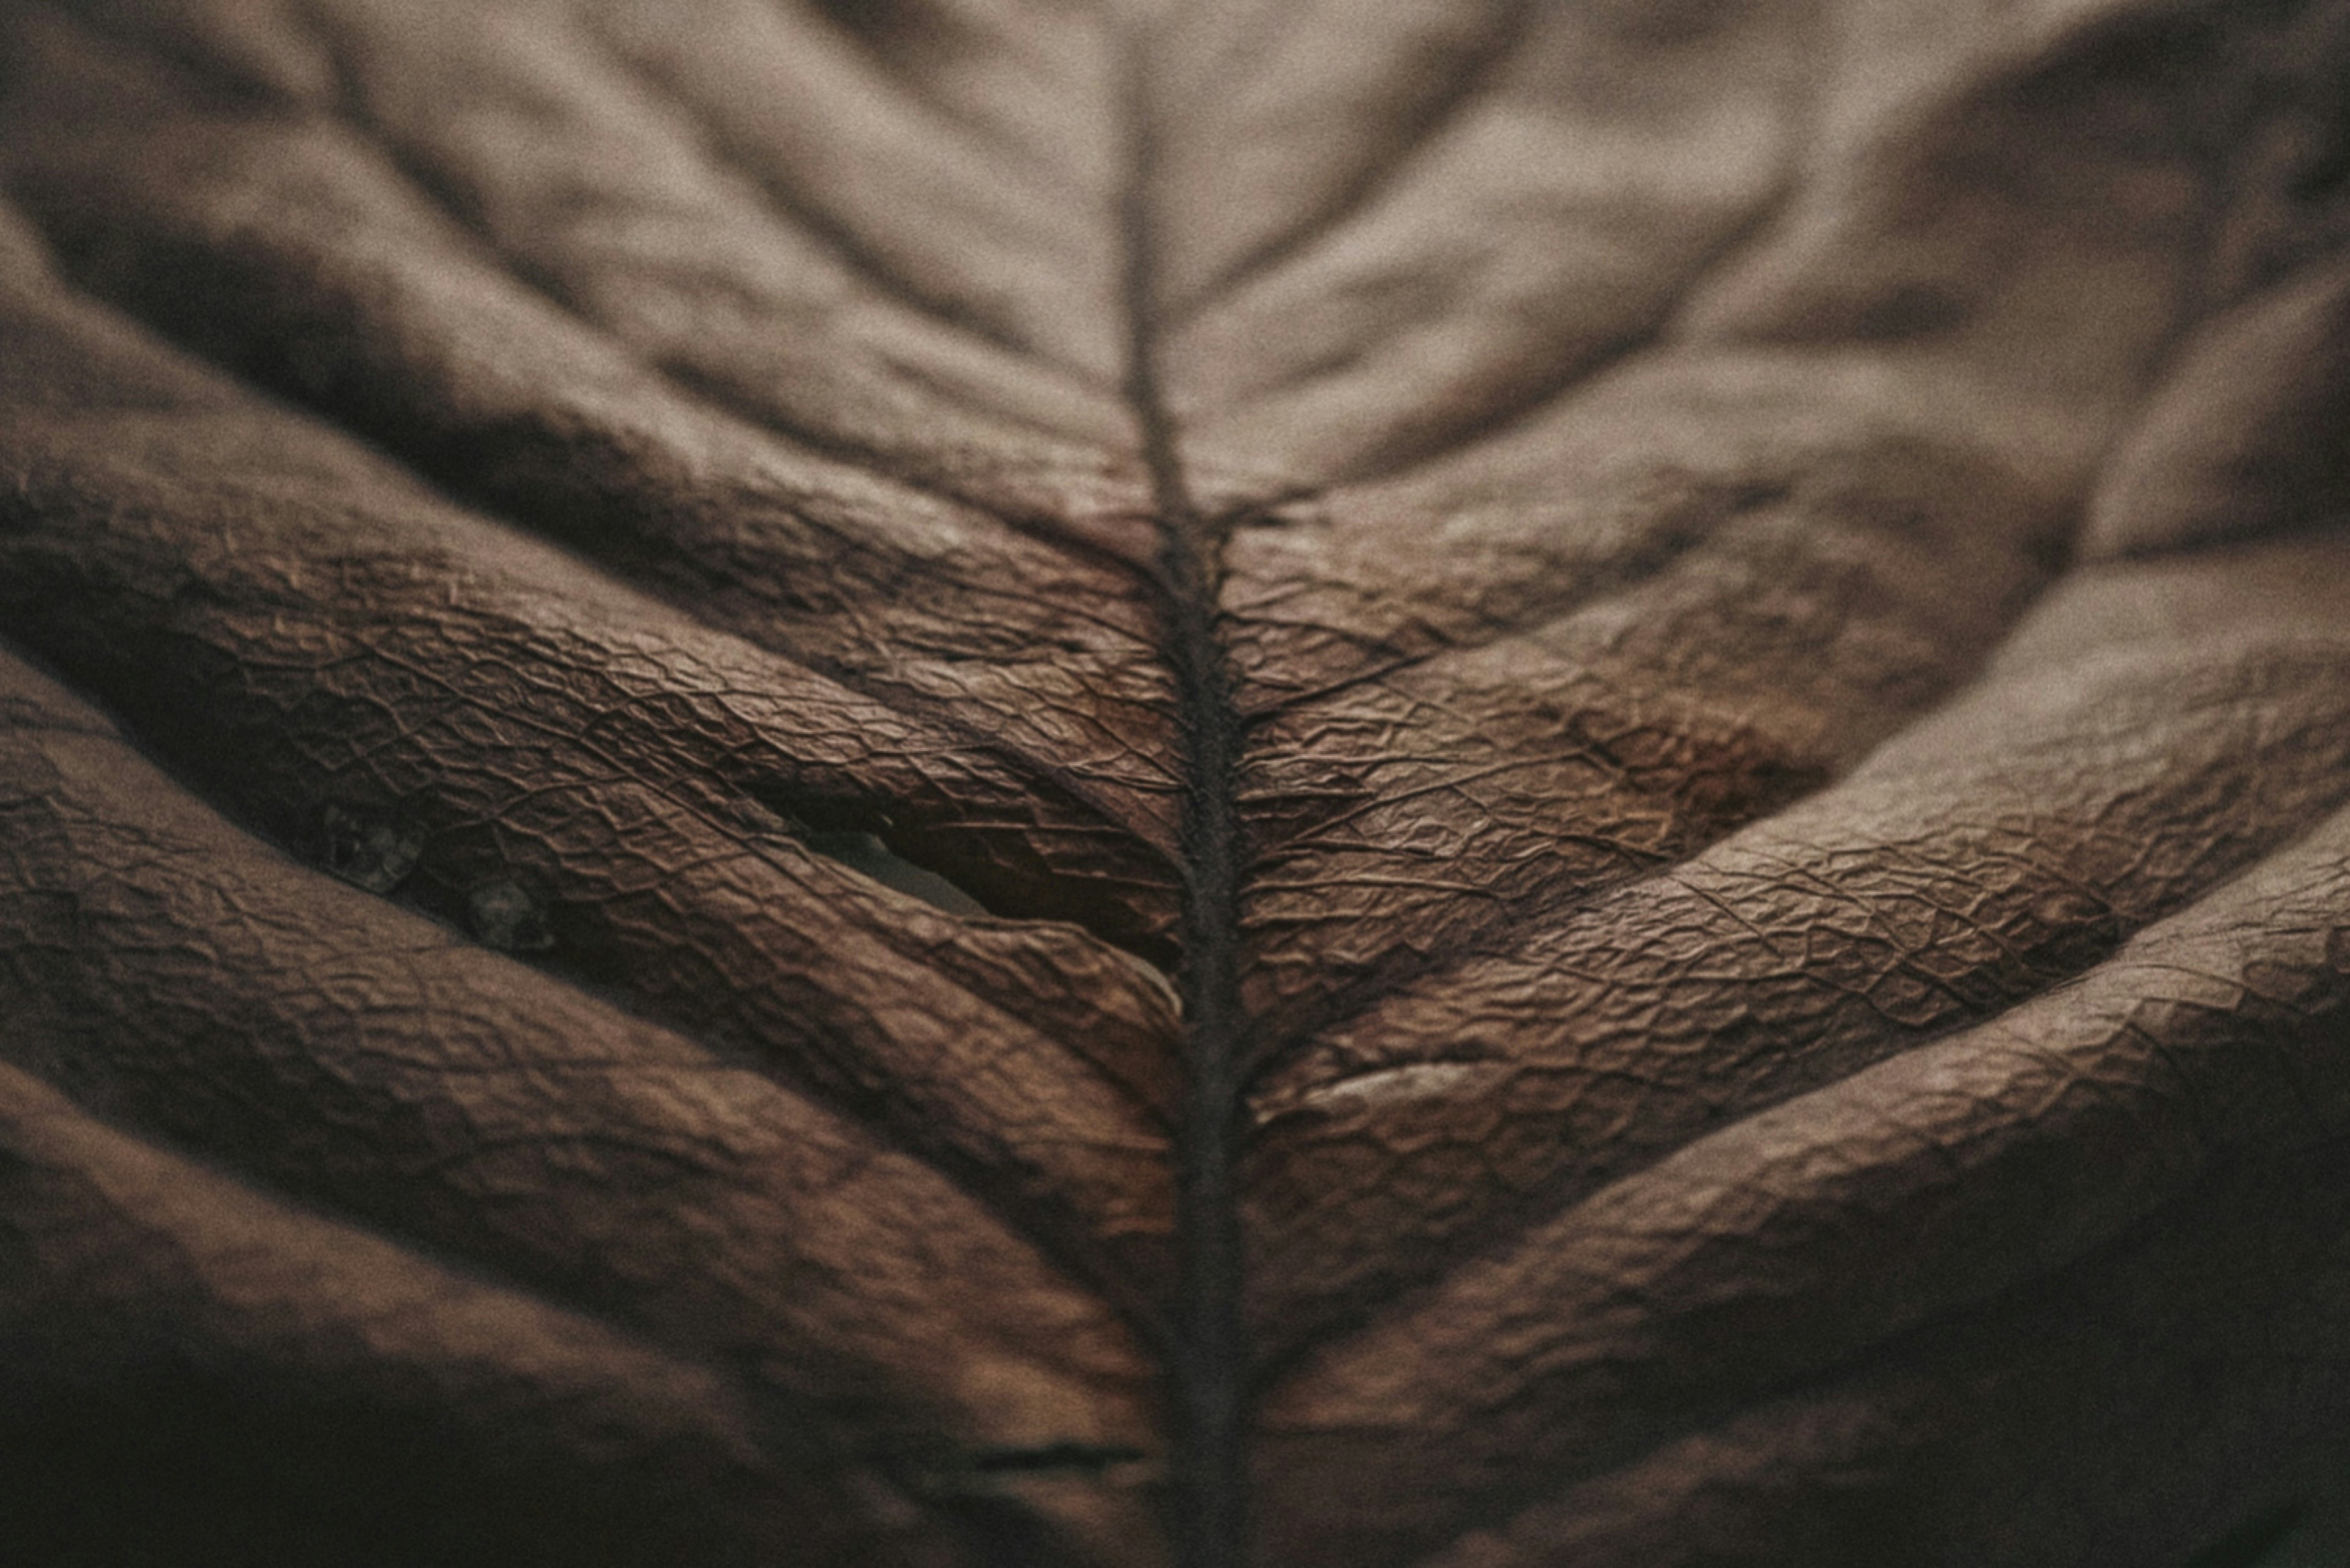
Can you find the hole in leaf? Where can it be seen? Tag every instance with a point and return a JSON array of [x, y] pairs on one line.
[[868, 856], [842, 833], [1090, 1459]]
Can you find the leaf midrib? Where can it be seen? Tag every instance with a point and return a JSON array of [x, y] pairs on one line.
[[1207, 1359]]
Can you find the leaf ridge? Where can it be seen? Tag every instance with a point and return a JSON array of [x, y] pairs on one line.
[[796, 210], [708, 387], [1575, 372], [1459, 92]]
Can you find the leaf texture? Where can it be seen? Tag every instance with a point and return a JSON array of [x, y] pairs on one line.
[[1422, 784]]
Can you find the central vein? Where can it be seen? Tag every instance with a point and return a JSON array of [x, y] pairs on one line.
[[1207, 1375]]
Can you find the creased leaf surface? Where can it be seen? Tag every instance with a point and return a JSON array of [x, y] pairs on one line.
[[1443, 783]]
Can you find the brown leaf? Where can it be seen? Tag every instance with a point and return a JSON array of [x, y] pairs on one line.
[[1443, 783]]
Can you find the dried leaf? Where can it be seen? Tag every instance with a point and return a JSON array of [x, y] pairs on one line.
[[1413, 783]]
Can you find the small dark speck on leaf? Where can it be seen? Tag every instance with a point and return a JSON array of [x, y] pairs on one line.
[[870, 17], [505, 917], [369, 849]]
